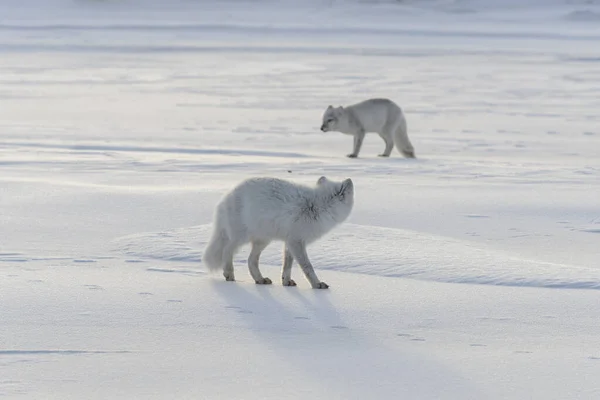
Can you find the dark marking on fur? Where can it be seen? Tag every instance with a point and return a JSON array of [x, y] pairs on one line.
[[309, 210]]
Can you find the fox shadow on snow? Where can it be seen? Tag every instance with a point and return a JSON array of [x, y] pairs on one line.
[[303, 326]]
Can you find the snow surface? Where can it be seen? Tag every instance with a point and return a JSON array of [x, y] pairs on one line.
[[468, 273]]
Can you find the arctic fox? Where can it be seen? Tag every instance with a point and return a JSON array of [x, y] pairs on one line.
[[381, 116], [260, 210]]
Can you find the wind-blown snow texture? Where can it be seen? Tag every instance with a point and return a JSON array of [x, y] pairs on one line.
[[459, 275]]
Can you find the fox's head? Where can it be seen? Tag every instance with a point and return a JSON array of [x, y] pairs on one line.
[[331, 118], [338, 196]]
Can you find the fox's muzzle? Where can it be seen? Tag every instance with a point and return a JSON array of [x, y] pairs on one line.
[[323, 128]]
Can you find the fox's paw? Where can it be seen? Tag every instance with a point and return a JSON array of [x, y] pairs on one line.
[[263, 281], [321, 285], [229, 277], [383, 155], [409, 154], [352, 155], [289, 282]]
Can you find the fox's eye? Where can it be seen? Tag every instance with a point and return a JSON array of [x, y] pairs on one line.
[[330, 120]]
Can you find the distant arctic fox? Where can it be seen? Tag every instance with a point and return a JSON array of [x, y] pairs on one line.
[[381, 116], [260, 210]]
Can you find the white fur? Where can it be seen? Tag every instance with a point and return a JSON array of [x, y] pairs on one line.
[[381, 116], [260, 210]]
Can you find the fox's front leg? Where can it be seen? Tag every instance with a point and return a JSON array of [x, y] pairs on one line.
[[286, 273], [358, 141], [298, 251]]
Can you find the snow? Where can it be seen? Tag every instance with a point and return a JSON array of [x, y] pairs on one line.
[[468, 273]]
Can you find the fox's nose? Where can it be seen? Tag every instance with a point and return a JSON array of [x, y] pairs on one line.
[[323, 128]]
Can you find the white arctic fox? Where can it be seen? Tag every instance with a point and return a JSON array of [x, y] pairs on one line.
[[381, 116], [260, 210]]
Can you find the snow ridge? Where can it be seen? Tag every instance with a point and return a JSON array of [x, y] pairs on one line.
[[383, 252]]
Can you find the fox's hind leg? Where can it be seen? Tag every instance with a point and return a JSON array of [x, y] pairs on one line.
[[389, 145], [257, 247], [386, 134], [286, 273], [228, 252]]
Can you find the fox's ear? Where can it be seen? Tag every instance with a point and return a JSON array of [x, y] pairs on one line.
[[321, 180], [330, 107], [347, 184]]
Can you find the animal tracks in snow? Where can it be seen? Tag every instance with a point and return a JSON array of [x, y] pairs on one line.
[[297, 318], [474, 345], [22, 258], [339, 327], [58, 352], [175, 271], [239, 310]]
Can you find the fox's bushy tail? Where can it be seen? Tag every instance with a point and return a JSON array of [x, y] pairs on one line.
[[401, 139], [213, 254]]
